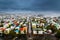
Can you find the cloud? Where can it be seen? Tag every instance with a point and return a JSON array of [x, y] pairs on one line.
[[31, 5]]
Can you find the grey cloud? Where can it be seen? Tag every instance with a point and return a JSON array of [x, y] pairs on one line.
[[31, 5]]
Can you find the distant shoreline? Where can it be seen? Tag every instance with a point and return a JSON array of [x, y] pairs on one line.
[[45, 13]]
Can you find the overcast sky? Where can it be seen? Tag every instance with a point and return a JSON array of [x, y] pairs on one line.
[[30, 5]]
